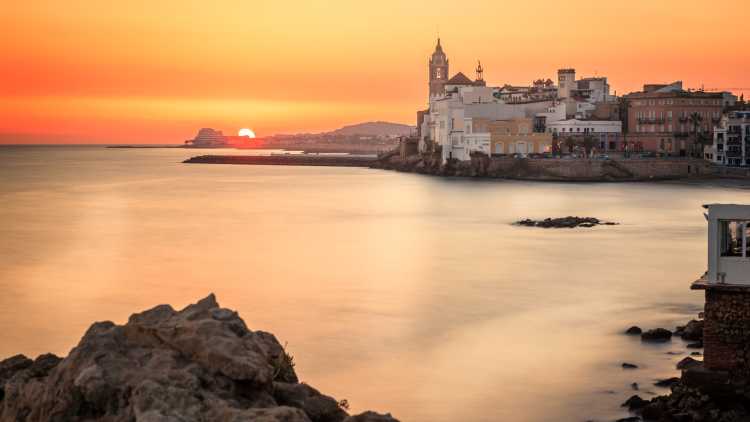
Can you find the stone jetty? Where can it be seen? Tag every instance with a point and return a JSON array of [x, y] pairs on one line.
[[286, 160], [198, 364]]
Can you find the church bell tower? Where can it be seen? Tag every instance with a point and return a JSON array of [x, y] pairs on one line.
[[438, 71]]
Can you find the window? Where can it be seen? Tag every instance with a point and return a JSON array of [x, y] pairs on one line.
[[734, 238]]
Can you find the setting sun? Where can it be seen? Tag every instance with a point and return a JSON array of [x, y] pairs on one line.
[[246, 132]]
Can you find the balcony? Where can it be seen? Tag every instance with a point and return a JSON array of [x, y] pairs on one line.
[[657, 120], [733, 153]]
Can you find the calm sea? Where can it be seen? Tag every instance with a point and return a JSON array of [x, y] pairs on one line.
[[398, 292]]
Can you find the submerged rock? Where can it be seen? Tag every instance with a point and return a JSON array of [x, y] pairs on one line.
[[688, 362], [626, 365], [568, 222], [200, 363], [634, 330], [656, 335]]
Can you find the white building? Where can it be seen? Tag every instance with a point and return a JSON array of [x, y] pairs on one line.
[[553, 113], [728, 244], [608, 133], [457, 121], [592, 90], [730, 141]]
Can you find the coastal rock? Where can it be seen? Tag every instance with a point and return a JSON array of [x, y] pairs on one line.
[[656, 335], [13, 364], [568, 222], [667, 382], [371, 417], [688, 362], [635, 403], [693, 331], [702, 395], [626, 365], [200, 363], [634, 331]]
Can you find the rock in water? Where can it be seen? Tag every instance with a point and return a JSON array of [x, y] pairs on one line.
[[693, 331], [688, 362], [568, 222], [667, 382], [634, 330], [200, 363], [635, 403], [657, 334]]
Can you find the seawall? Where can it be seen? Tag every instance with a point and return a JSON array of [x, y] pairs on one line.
[[552, 169]]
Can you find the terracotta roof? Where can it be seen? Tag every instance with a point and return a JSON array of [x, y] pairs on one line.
[[459, 79]]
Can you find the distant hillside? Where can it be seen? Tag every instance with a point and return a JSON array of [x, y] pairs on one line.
[[375, 129]]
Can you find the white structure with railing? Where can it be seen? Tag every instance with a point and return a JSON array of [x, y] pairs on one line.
[[728, 244]]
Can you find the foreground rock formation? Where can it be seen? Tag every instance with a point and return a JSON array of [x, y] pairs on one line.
[[198, 364]]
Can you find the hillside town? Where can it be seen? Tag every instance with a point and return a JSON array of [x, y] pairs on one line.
[[577, 117]]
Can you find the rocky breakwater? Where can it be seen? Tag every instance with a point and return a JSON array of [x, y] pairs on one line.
[[198, 364]]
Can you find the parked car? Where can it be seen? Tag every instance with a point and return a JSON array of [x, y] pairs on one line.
[[602, 157]]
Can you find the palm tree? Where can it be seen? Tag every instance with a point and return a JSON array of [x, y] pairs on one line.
[[570, 142], [695, 120], [556, 151], [588, 144]]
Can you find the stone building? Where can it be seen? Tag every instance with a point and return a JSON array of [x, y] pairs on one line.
[[517, 136], [726, 332], [670, 120]]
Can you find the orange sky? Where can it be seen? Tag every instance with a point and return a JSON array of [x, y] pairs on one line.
[[143, 71]]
